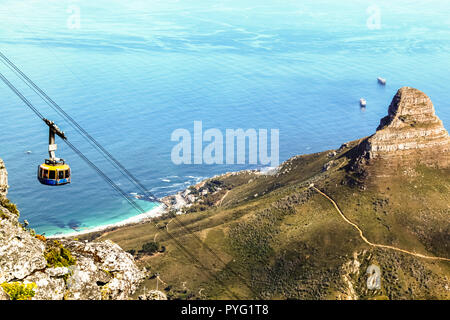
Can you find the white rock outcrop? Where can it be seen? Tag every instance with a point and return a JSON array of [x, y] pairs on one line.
[[102, 270]]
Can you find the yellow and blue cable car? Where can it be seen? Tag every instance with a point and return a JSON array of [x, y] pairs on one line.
[[54, 172]]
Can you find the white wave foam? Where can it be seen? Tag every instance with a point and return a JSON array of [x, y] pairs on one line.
[[155, 212]]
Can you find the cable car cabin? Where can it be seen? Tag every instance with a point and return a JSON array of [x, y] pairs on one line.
[[54, 173]]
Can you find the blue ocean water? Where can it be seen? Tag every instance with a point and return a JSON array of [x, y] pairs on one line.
[[135, 71]]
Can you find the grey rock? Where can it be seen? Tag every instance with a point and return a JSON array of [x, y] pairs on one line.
[[57, 272], [47, 288], [153, 295], [3, 179], [102, 269], [20, 253]]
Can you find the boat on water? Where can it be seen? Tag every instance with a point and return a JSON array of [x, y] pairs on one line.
[[362, 102], [381, 81]]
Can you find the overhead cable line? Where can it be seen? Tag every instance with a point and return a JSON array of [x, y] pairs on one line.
[[106, 154], [115, 186]]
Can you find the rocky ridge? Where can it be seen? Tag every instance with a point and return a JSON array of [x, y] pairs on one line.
[[77, 270], [410, 135], [3, 179]]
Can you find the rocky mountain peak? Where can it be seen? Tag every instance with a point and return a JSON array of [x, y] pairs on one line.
[[411, 109], [411, 134]]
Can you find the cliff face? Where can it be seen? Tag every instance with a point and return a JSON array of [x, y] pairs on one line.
[[63, 269], [3, 179], [410, 135]]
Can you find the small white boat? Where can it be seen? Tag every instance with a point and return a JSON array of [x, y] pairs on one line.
[[381, 81], [362, 102]]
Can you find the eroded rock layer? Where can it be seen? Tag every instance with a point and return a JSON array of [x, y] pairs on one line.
[[411, 134]]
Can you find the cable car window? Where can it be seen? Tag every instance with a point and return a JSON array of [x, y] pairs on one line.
[[61, 174], [67, 173], [45, 174], [40, 172], [52, 175]]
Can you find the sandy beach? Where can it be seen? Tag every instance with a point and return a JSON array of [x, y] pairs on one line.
[[155, 212], [175, 201]]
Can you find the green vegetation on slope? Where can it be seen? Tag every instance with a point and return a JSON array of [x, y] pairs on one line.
[[4, 202], [275, 238], [19, 291], [58, 256]]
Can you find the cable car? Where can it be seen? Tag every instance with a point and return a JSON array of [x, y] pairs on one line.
[[52, 174], [54, 171]]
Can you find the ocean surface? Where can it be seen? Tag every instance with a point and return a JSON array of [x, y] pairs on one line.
[[131, 72]]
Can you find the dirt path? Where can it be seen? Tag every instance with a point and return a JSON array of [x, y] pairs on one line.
[[219, 203], [375, 244]]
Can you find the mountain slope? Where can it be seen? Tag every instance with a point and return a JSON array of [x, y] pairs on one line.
[[272, 236]]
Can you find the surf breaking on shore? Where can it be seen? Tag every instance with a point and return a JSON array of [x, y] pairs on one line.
[[153, 213], [175, 201]]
